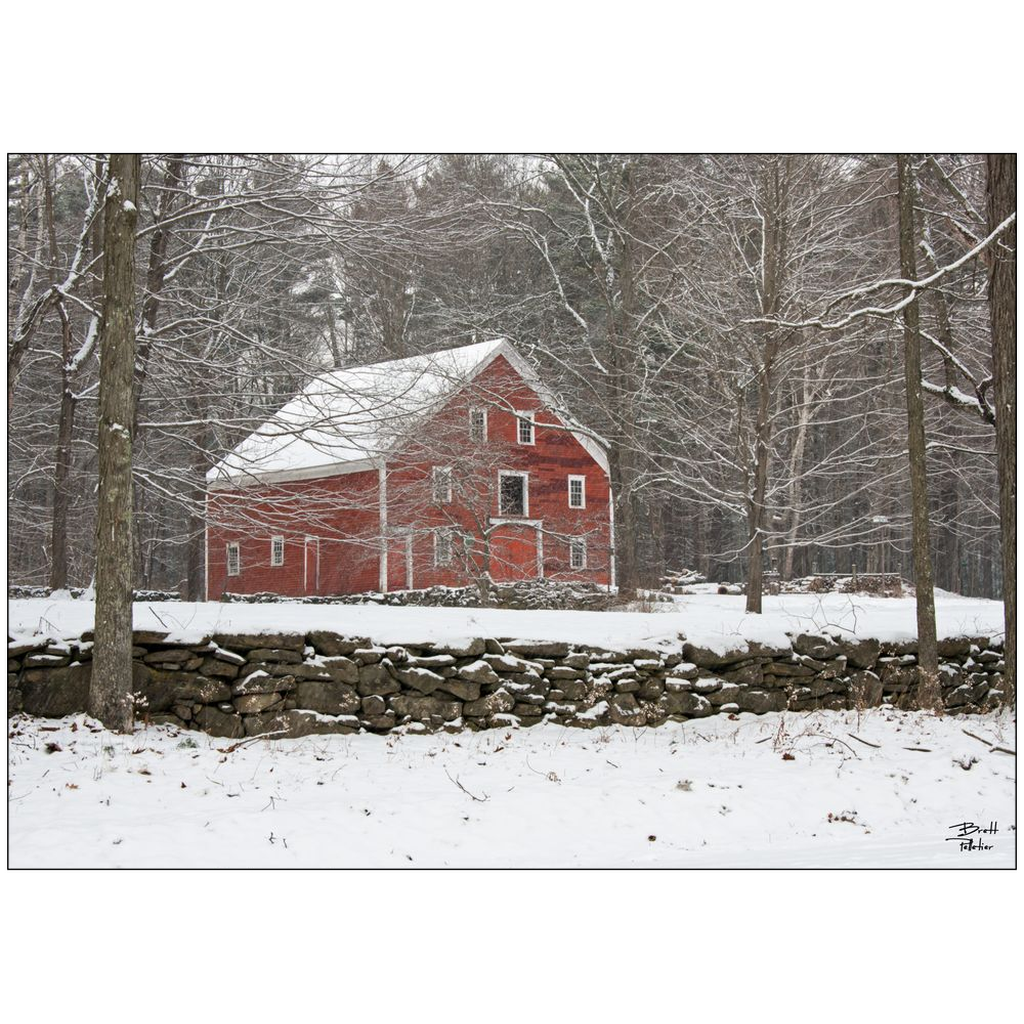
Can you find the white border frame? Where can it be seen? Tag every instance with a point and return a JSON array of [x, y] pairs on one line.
[[583, 490], [451, 546], [273, 540], [227, 558], [434, 471], [583, 542], [481, 409], [531, 416]]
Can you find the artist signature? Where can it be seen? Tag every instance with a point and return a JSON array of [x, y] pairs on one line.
[[969, 835]]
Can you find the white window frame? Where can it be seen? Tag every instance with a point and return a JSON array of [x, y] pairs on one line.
[[526, 417], [583, 491], [526, 492], [438, 562], [233, 544], [438, 474], [276, 561], [578, 544], [483, 412]]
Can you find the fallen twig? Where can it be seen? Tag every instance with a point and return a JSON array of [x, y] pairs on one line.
[[923, 750], [867, 743], [478, 799]]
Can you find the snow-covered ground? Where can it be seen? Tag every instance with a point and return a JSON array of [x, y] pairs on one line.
[[710, 620], [779, 790]]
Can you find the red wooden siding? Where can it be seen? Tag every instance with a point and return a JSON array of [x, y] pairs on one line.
[[344, 511]]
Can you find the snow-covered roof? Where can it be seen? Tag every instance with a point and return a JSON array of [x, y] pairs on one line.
[[349, 419]]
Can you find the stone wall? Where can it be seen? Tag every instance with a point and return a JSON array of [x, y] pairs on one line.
[[303, 684]]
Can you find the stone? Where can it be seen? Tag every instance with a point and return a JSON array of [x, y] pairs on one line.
[[59, 691], [760, 702], [374, 706], [368, 655], [295, 724], [264, 641], [703, 657], [626, 685], [44, 660], [214, 666], [376, 679], [574, 689], [651, 689], [789, 668], [537, 648], [458, 649], [694, 704], [565, 672], [162, 689], [380, 723], [524, 710], [421, 679], [422, 709], [461, 688], [16, 648], [955, 647], [865, 689], [174, 656], [253, 703], [508, 663], [820, 647], [341, 669], [751, 674], [14, 700], [275, 654], [332, 645], [183, 711], [494, 703], [479, 672], [728, 693], [217, 723], [624, 710], [682, 670], [261, 681], [328, 698], [861, 654], [435, 662]]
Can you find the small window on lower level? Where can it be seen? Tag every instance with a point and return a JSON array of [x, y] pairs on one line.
[[578, 553], [277, 550], [234, 559], [442, 547]]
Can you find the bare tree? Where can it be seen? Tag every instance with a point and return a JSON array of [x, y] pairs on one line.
[[927, 650], [110, 691], [1002, 203]]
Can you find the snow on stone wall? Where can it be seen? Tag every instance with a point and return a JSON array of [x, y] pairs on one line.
[[297, 684]]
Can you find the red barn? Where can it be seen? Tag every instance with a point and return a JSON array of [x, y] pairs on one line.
[[450, 468]]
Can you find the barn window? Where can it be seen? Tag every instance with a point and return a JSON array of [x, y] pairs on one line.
[[525, 430], [478, 425], [577, 492], [442, 547], [513, 494], [277, 550], [442, 485], [234, 559], [578, 553]]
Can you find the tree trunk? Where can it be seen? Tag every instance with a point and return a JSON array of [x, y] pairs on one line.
[[755, 572], [62, 464], [927, 651], [110, 691], [1002, 201]]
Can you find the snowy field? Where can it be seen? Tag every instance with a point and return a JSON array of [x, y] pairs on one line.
[[779, 790], [710, 620]]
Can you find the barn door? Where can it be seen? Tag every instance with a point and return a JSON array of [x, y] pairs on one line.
[[311, 574]]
